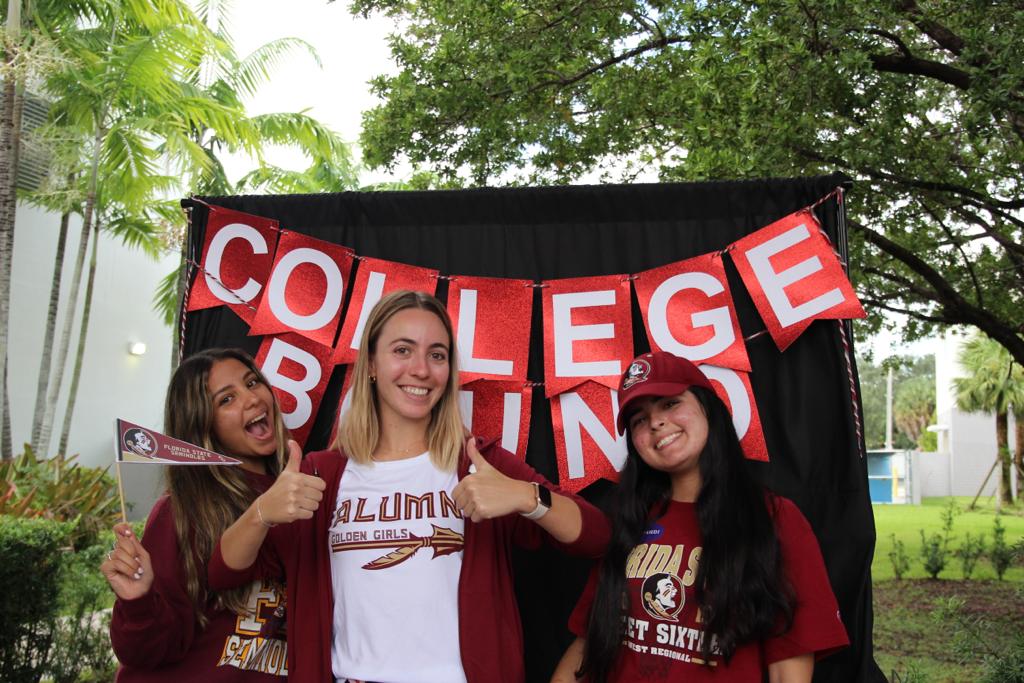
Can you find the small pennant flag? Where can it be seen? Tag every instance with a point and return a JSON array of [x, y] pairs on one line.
[[139, 444]]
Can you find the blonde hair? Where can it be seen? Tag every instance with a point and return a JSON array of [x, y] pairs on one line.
[[206, 500], [359, 432]]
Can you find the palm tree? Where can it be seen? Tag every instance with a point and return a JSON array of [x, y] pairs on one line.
[[995, 384]]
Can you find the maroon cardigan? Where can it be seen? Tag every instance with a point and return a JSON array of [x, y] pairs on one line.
[[490, 634]]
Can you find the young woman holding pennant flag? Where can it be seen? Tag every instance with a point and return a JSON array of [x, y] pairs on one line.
[[403, 573], [708, 576], [168, 625]]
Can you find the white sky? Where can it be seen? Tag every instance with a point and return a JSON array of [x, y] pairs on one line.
[[352, 50]]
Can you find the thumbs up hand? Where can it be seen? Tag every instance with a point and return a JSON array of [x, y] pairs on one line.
[[293, 496], [486, 493]]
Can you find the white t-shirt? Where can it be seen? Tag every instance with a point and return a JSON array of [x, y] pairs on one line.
[[396, 540]]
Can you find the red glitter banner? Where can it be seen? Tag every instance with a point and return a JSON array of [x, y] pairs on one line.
[[491, 318], [237, 254], [588, 331], [794, 277], [688, 311], [587, 445], [734, 389], [306, 289], [374, 279], [492, 408], [298, 370]]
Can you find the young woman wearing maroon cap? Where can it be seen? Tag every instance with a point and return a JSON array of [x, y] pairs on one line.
[[708, 576]]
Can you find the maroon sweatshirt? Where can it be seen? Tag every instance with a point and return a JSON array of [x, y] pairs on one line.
[[490, 634], [158, 638]]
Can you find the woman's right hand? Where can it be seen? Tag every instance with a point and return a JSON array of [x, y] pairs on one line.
[[128, 568], [294, 495]]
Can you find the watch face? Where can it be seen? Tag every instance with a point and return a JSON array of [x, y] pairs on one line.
[[545, 495]]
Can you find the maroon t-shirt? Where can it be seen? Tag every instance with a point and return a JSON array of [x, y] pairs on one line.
[[663, 628], [158, 638]]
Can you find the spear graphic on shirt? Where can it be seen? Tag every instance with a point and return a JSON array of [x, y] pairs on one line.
[[443, 541]]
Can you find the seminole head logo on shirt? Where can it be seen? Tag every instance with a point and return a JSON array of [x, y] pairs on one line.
[[662, 596]]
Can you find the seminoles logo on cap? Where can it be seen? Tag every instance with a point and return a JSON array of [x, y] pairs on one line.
[[140, 441], [663, 596], [637, 372]]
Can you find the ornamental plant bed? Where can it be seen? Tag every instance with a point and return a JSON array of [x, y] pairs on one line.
[[913, 641]]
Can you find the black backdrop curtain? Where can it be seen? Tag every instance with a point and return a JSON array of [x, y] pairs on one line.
[[803, 395]]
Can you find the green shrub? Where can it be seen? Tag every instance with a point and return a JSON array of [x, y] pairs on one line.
[[935, 547], [31, 572], [1001, 555], [61, 489], [898, 557], [81, 641], [969, 552]]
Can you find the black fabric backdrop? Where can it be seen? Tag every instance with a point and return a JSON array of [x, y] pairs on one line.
[[803, 395]]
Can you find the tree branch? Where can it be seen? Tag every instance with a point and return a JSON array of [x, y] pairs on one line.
[[942, 36], [915, 66], [979, 299], [954, 306]]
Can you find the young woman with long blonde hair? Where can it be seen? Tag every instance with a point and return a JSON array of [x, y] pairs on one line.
[[168, 625], [397, 554]]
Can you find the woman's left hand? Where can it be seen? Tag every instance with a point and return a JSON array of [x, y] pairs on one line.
[[487, 493]]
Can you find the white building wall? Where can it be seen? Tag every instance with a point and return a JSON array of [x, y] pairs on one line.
[[113, 383], [971, 437]]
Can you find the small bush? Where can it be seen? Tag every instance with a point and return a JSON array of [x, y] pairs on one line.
[[969, 552], [30, 571], [1000, 554], [935, 547], [898, 557], [81, 634], [59, 488]]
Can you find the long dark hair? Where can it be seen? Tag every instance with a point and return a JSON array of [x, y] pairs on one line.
[[207, 500], [741, 589]]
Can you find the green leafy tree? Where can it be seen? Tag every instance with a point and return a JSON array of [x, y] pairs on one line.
[[913, 384], [994, 384], [921, 103]]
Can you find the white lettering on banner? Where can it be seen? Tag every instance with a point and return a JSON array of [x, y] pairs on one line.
[[213, 258], [739, 401], [466, 336], [279, 281], [718, 318], [298, 388], [510, 422], [565, 333], [576, 417], [774, 283], [512, 412], [374, 293], [466, 408]]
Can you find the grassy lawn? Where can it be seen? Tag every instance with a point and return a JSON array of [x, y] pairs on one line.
[[905, 521], [912, 642]]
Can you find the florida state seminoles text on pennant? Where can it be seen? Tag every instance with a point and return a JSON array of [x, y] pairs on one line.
[[238, 251], [137, 444]]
